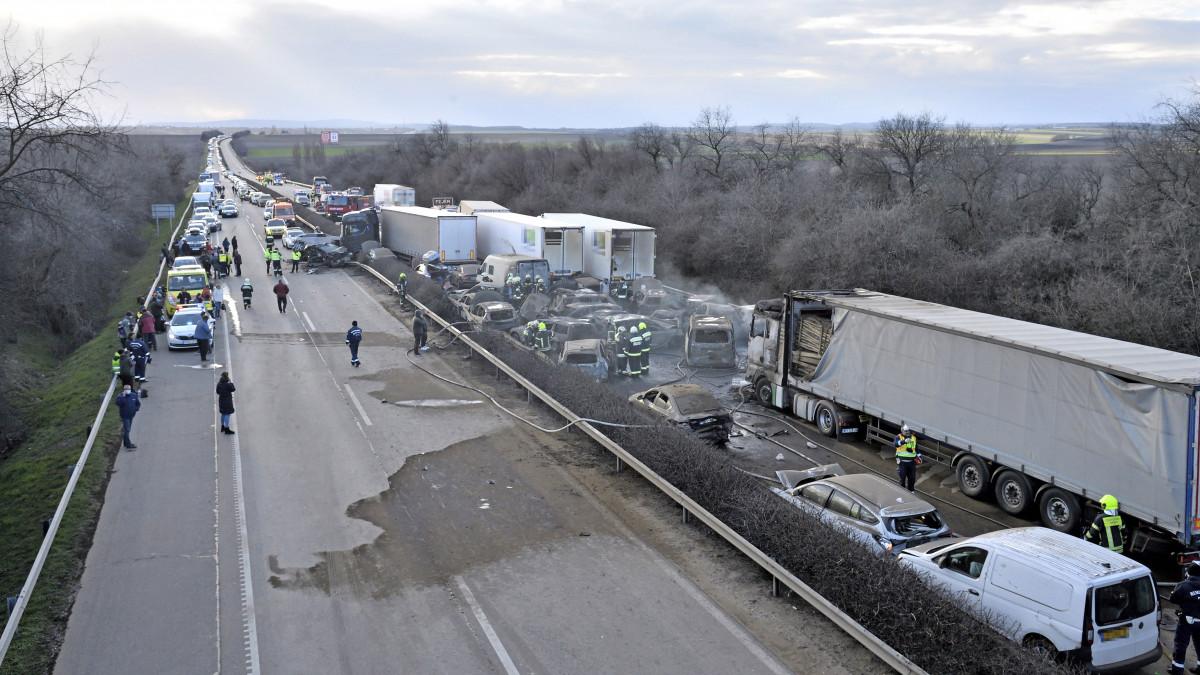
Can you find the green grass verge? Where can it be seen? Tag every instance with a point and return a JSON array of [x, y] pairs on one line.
[[58, 411]]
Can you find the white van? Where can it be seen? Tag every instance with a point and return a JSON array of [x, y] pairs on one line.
[[1052, 591]]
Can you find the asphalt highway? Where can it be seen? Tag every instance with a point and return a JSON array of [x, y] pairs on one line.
[[368, 519]]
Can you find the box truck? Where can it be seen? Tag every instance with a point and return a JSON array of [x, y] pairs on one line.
[[559, 243], [469, 206], [612, 249], [1046, 419], [390, 194], [412, 231]]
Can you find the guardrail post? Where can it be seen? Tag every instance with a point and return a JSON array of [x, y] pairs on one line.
[[774, 586], [11, 602], [620, 465], [528, 396], [687, 515], [70, 470]]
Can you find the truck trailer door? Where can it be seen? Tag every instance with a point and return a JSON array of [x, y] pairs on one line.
[[457, 239]]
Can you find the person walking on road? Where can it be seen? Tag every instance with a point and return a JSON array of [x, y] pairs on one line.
[[128, 403], [420, 328], [237, 263], [1187, 597], [907, 458], [267, 257], [225, 391], [281, 292], [353, 337], [234, 242], [204, 335], [218, 296]]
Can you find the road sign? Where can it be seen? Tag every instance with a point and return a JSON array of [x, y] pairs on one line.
[[443, 201], [329, 137], [162, 210]]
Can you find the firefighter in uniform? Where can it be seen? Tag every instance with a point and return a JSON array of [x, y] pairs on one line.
[[518, 294], [267, 257], [541, 340], [621, 349], [1187, 596], [295, 260], [633, 352], [907, 458], [621, 293], [539, 286], [223, 263], [1108, 530], [645, 347], [402, 288]]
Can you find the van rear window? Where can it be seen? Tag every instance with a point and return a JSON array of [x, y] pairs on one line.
[[1124, 601], [711, 337]]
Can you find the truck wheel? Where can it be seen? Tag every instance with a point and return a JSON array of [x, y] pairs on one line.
[[1014, 494], [762, 391], [973, 476], [1060, 510], [826, 419]]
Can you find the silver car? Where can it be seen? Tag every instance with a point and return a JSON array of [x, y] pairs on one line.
[[874, 510]]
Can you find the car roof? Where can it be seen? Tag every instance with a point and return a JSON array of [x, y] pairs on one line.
[[1058, 553], [892, 500], [686, 390], [576, 346], [706, 321]]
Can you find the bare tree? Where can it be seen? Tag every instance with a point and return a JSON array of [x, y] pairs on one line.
[[839, 147], [1157, 163], [713, 132], [908, 144], [53, 127], [977, 162], [683, 148], [654, 141], [589, 150]]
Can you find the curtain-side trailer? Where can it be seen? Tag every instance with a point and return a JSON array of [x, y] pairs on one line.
[[1041, 417], [612, 249], [559, 243]]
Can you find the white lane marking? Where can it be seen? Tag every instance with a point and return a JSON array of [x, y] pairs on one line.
[[308, 321], [498, 646], [249, 623], [354, 400]]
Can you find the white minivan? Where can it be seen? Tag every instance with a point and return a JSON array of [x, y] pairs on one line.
[[1052, 591]]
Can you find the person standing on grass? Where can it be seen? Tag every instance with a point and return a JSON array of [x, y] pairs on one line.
[[128, 403], [225, 391]]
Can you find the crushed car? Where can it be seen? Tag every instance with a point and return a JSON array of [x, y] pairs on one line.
[[876, 511], [586, 356], [325, 255], [709, 341]]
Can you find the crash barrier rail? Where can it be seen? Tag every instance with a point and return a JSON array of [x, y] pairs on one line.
[[779, 575], [22, 599]]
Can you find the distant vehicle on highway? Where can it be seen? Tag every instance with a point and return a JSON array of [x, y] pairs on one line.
[[229, 210]]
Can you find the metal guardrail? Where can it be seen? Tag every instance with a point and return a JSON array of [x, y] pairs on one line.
[[780, 575], [14, 618]]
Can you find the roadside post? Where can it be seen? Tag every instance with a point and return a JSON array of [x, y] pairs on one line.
[[158, 211]]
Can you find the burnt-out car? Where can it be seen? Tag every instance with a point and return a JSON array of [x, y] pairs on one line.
[[563, 300], [648, 294], [709, 341], [483, 307], [689, 406], [586, 356]]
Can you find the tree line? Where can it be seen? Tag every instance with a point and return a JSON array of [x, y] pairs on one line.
[[918, 207]]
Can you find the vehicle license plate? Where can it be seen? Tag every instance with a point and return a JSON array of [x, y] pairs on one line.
[[1114, 633]]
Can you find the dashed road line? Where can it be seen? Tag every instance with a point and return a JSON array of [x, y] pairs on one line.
[[354, 400], [497, 645]]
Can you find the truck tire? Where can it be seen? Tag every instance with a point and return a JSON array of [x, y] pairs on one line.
[[762, 391], [1060, 510], [825, 417], [1014, 493], [974, 477]]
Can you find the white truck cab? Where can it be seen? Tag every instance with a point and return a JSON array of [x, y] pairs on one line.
[[1051, 590]]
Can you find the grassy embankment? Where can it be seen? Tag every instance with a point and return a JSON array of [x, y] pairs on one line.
[[58, 409]]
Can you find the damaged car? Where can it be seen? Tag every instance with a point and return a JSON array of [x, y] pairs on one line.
[[876, 511], [709, 342], [586, 356], [325, 255], [689, 406]]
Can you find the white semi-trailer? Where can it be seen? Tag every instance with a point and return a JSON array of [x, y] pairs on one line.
[[391, 194], [612, 249], [558, 242], [469, 206], [1042, 418], [412, 231]]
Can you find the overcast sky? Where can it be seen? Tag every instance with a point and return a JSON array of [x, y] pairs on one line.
[[614, 63]]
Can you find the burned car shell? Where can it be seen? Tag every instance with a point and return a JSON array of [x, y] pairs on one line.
[[561, 299], [586, 356], [496, 315], [884, 516], [689, 406], [709, 341]]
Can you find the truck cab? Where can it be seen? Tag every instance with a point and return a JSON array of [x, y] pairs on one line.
[[496, 268]]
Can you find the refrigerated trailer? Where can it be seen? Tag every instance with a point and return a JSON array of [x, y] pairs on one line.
[[1042, 418], [612, 249], [469, 206], [559, 243], [391, 194], [412, 231]]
